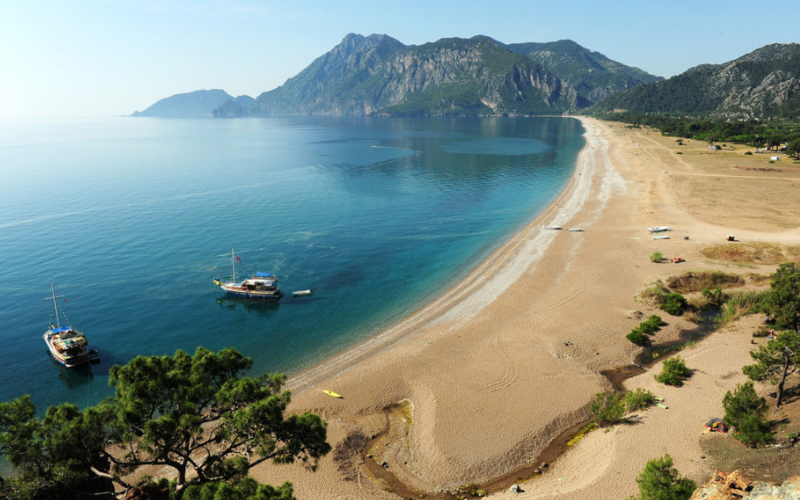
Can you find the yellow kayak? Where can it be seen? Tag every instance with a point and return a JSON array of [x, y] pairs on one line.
[[331, 393]]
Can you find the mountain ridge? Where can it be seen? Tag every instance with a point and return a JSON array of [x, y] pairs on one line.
[[378, 75]]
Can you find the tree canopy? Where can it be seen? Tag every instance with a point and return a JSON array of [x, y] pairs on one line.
[[661, 481], [784, 302], [194, 414], [775, 361], [746, 411]]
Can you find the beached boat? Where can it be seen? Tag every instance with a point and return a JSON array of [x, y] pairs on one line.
[[302, 293], [261, 286], [664, 237], [575, 230], [658, 229], [67, 345], [555, 228], [331, 393]]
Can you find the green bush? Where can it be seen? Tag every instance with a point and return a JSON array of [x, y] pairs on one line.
[[637, 337], [651, 325], [746, 411], [656, 256], [715, 297], [608, 408], [673, 304], [661, 481], [639, 399], [674, 372]]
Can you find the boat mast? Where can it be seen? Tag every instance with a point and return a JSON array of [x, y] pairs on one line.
[[233, 263], [55, 304]]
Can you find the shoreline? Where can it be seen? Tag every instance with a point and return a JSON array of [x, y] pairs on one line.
[[457, 301], [480, 382]]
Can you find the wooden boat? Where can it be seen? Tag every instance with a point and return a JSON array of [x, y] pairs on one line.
[[261, 286], [303, 293], [67, 345], [331, 393]]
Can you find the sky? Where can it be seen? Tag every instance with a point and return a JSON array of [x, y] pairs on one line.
[[75, 58]]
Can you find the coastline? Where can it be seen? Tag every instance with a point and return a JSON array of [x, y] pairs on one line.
[[479, 382], [469, 295]]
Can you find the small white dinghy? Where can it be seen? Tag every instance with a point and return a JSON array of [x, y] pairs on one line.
[[303, 293]]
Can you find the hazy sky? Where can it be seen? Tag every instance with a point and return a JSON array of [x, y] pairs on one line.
[[112, 57]]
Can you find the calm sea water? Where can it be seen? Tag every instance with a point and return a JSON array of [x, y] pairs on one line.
[[133, 218]]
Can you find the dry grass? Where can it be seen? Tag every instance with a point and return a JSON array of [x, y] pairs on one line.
[[697, 281], [753, 253]]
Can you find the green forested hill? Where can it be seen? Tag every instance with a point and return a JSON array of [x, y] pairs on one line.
[[763, 83]]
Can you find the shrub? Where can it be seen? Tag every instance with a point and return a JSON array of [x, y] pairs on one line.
[[608, 408], [639, 399], [745, 411], [637, 337], [674, 372], [748, 153], [656, 256], [715, 297], [651, 325], [673, 304], [654, 292], [661, 481]]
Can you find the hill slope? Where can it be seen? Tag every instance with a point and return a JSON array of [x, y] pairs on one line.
[[763, 83]]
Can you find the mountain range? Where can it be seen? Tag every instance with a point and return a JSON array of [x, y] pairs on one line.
[[379, 76]]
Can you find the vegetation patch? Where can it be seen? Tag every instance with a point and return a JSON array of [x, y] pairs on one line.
[[752, 253], [582, 433], [608, 408], [640, 399], [674, 372], [697, 281], [673, 303], [746, 412], [744, 303]]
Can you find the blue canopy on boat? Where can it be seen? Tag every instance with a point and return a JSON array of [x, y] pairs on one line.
[[263, 275], [62, 329]]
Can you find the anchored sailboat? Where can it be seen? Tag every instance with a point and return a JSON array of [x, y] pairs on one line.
[[67, 345], [261, 286]]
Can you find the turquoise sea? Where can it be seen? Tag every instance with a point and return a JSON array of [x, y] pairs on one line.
[[132, 218]]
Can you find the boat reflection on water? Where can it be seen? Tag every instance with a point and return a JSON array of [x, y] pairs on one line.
[[259, 306], [75, 376]]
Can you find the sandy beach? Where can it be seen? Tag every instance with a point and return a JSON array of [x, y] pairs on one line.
[[478, 383]]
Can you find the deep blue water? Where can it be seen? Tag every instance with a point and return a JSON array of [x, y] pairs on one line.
[[133, 218]]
